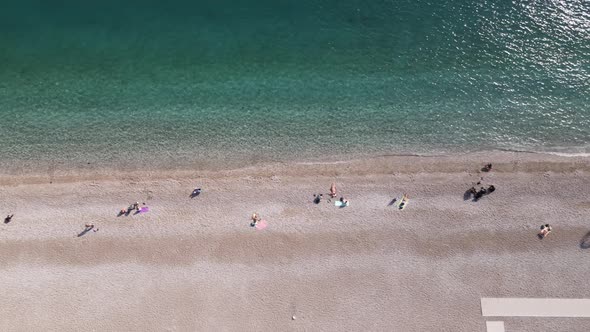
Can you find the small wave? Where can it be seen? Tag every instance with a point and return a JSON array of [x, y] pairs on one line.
[[569, 153], [566, 154]]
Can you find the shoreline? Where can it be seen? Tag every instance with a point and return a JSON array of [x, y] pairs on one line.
[[505, 161]]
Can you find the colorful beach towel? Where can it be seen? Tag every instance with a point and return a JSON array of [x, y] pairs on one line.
[[262, 224]]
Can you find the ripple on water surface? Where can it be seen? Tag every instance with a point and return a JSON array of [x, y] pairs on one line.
[[217, 83]]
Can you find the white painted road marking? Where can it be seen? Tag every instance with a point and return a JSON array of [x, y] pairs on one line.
[[495, 326], [526, 307]]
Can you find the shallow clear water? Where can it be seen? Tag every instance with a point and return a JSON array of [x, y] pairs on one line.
[[207, 83]]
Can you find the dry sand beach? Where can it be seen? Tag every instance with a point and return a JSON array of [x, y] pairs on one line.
[[196, 264]]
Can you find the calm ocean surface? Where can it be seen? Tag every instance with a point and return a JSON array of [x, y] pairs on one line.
[[208, 83]]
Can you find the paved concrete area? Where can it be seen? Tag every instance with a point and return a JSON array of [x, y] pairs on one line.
[[495, 326], [529, 307]]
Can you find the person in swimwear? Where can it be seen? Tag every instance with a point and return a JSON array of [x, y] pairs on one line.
[[333, 190], [545, 230], [255, 219]]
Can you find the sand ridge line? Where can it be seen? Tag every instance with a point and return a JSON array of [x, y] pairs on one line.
[[273, 247]]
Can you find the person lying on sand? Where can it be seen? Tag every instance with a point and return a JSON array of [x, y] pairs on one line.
[[403, 201]]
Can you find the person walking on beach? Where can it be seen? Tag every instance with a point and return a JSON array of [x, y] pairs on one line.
[[333, 190]]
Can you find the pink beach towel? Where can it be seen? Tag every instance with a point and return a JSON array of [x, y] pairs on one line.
[[144, 209], [262, 224]]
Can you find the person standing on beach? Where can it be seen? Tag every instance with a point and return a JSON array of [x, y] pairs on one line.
[[8, 218], [255, 219], [545, 230], [333, 190]]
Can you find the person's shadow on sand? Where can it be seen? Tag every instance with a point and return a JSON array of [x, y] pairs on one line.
[[392, 202], [124, 212], [86, 230], [585, 241]]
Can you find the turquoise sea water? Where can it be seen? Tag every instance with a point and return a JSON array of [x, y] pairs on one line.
[[219, 82]]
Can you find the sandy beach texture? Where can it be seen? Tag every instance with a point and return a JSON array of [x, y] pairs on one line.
[[196, 264]]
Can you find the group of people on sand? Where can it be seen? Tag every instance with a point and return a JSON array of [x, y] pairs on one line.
[[133, 207], [343, 202], [317, 198], [477, 194]]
